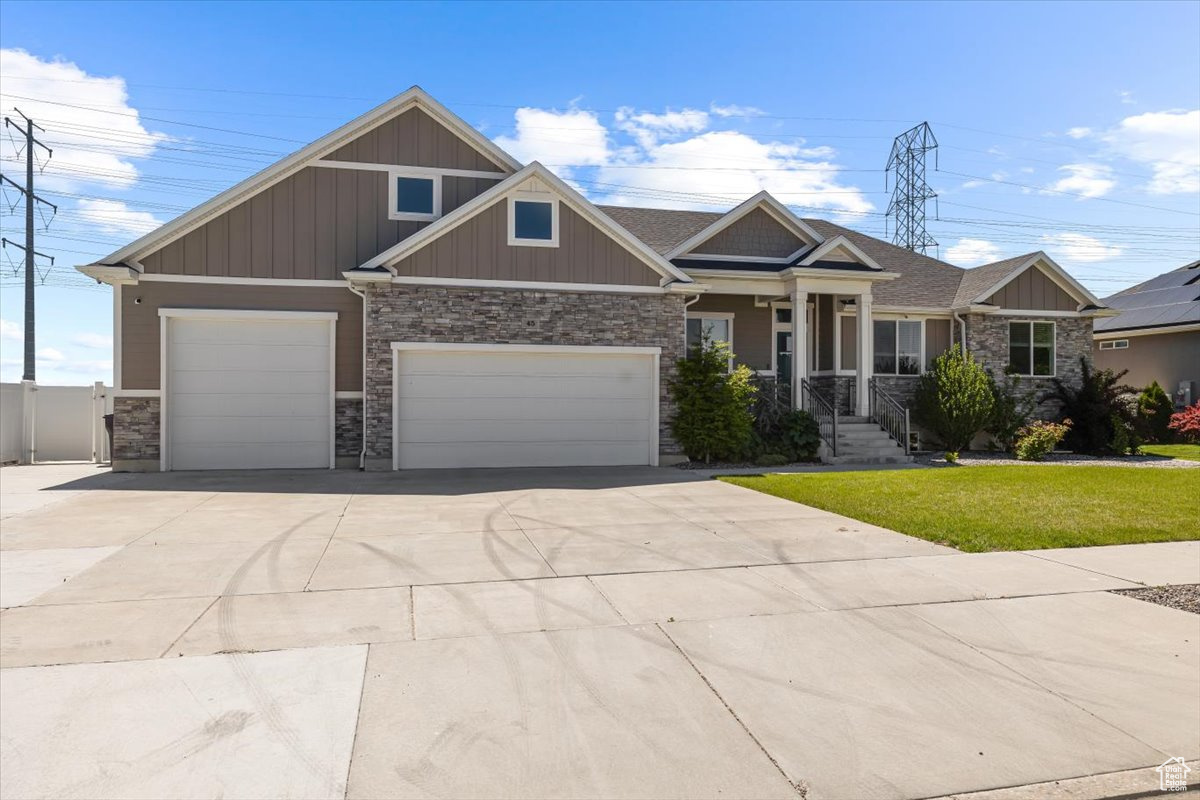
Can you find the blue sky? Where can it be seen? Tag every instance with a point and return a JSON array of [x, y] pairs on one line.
[[1073, 128]]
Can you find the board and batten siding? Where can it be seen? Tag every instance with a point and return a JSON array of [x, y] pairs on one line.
[[314, 225], [478, 249], [140, 331], [752, 336], [756, 234], [1032, 290], [416, 139]]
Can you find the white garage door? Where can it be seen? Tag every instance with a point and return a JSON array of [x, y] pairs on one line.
[[249, 393], [514, 406]]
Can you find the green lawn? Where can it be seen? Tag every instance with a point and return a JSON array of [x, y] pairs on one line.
[[1006, 507], [1188, 451]]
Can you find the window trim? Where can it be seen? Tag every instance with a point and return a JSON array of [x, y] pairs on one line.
[[520, 197], [875, 320], [1053, 347], [727, 316], [1113, 344], [413, 216]]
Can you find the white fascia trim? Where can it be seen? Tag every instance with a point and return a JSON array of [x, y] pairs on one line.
[[426, 172], [1056, 274], [926, 311], [112, 275], [1193, 326], [840, 275], [480, 283], [1033, 312], [782, 214], [501, 190], [470, 347], [162, 278], [305, 156], [243, 313], [754, 275], [833, 244]]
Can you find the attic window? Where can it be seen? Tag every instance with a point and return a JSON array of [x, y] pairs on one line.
[[414, 196], [532, 223]]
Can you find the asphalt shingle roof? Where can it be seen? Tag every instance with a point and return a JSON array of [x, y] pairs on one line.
[[1172, 298], [979, 279], [661, 228]]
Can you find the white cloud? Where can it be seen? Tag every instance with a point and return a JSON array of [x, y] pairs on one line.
[[11, 331], [50, 354], [1079, 133], [558, 137], [1077, 247], [60, 88], [1126, 97], [1167, 141], [97, 341], [734, 110], [113, 216], [1088, 180], [972, 252]]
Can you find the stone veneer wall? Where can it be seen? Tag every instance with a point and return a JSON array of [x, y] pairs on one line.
[[398, 313], [987, 340], [135, 429], [347, 426]]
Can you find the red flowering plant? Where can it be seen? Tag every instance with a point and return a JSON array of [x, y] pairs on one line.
[[1186, 423]]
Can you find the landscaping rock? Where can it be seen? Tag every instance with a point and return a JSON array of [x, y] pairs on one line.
[[1185, 597]]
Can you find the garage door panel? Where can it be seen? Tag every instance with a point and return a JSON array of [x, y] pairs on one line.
[[238, 332], [517, 386], [421, 410], [257, 455], [502, 409], [269, 357], [248, 394], [228, 381], [557, 454], [526, 431]]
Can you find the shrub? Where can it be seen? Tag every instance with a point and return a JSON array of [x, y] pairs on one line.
[[780, 429], [1011, 410], [772, 460], [954, 399], [1038, 438], [712, 404], [1095, 407], [1154, 412], [952, 456], [800, 436], [1186, 423]]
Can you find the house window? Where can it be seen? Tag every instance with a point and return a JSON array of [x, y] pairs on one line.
[[532, 223], [717, 327], [414, 197], [1115, 344], [1031, 348], [898, 346]]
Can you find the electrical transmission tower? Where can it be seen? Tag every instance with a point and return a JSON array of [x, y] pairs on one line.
[[911, 193], [30, 270]]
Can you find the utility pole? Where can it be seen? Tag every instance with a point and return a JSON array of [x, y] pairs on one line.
[[30, 253], [911, 192]]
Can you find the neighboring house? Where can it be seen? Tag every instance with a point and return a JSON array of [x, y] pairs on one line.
[[402, 293], [1156, 334]]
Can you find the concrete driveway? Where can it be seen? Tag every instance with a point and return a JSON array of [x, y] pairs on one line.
[[562, 633]]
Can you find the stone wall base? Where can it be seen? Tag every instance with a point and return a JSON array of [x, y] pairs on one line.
[[135, 465]]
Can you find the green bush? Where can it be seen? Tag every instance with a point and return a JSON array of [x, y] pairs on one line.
[[1154, 410], [954, 399], [1011, 410], [772, 460], [800, 435], [1038, 438], [780, 429], [712, 404], [1099, 407]]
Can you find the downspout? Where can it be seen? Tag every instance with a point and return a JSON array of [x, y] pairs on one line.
[[686, 305], [962, 328], [362, 453]]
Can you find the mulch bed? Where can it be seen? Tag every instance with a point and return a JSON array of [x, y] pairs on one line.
[[1185, 597], [985, 459]]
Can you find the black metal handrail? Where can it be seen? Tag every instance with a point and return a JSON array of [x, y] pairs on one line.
[[887, 412], [823, 411]]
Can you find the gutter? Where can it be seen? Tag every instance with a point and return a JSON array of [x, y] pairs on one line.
[[962, 326]]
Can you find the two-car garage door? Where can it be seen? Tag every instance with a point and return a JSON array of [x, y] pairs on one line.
[[248, 390], [517, 405]]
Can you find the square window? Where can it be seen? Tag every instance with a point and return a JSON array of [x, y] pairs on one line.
[[414, 196], [533, 220]]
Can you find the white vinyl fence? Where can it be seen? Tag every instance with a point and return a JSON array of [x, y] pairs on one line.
[[53, 423]]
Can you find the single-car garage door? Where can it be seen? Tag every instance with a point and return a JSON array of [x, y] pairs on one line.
[[524, 406], [248, 390]]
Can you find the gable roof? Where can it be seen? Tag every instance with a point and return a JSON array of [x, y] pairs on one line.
[[982, 282], [835, 243], [662, 229], [1166, 300], [415, 97], [497, 193], [763, 200]]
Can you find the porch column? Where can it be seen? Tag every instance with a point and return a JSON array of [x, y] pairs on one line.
[[866, 357], [799, 342]]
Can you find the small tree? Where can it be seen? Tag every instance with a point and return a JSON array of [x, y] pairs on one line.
[[1154, 411], [954, 399], [712, 404], [1099, 409], [1186, 423], [1011, 409]]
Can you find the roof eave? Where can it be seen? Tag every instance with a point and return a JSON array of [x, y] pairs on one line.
[[112, 274]]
